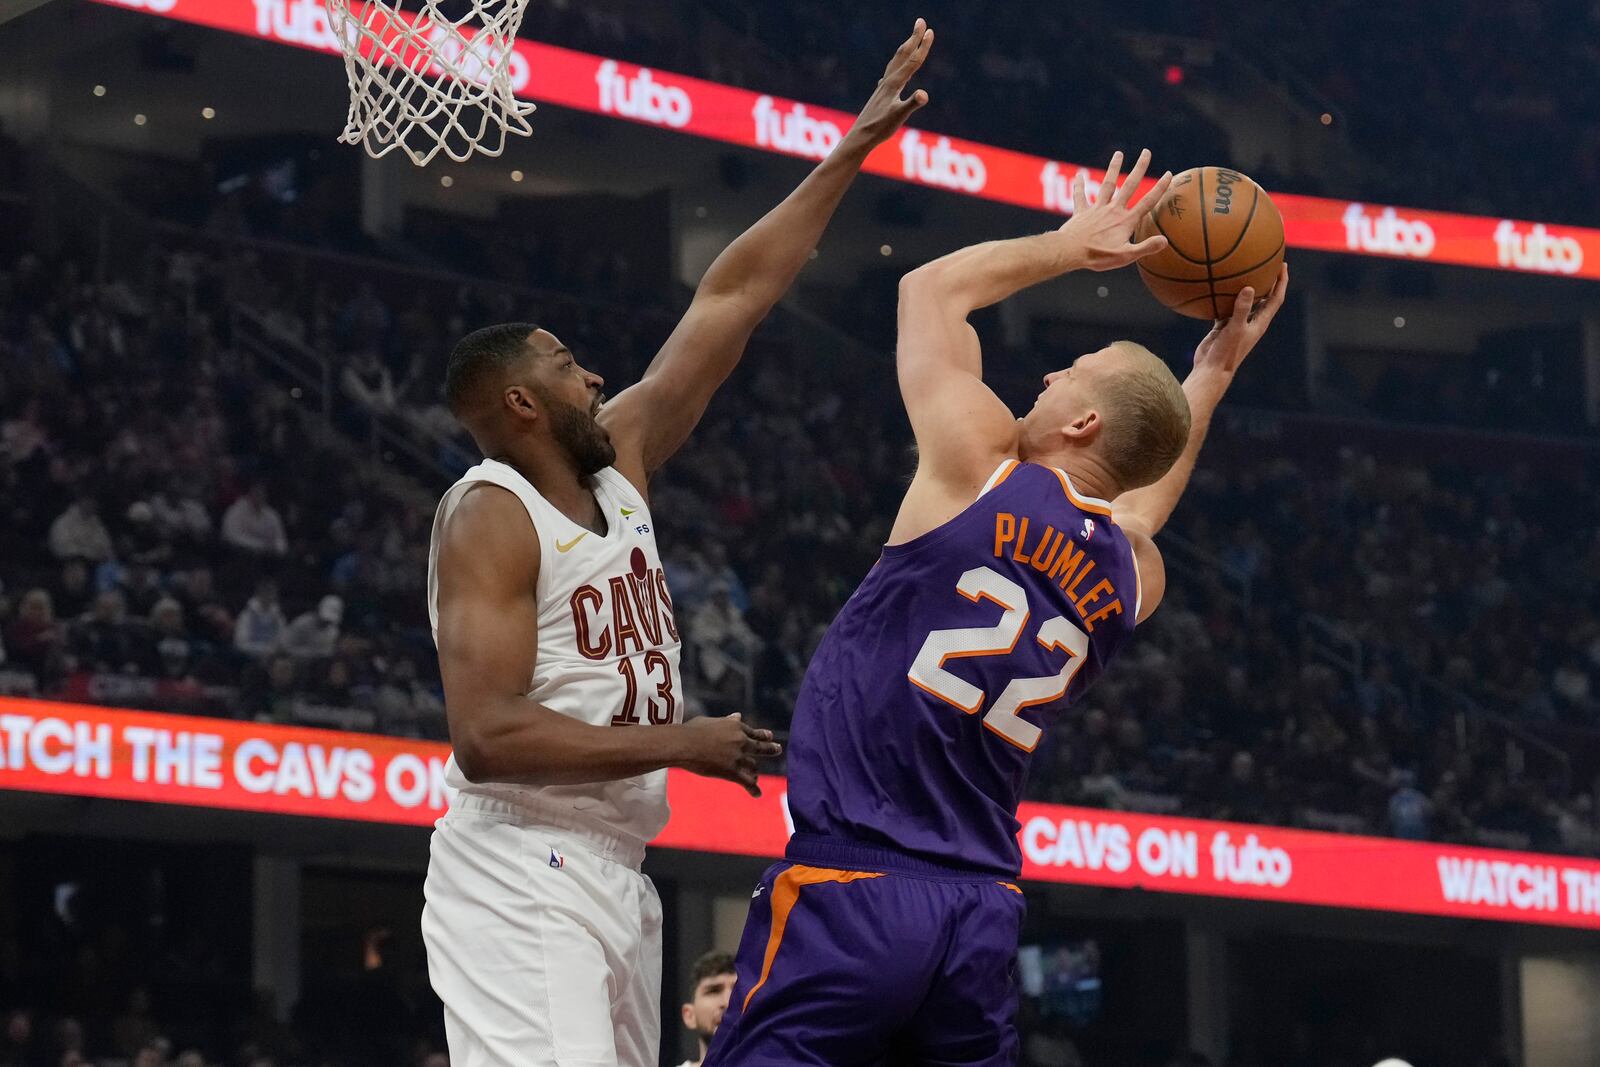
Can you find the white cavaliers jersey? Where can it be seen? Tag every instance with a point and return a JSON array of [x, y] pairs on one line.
[[608, 643]]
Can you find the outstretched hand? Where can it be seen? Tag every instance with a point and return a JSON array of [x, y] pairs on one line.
[[886, 110], [1102, 232], [1232, 338]]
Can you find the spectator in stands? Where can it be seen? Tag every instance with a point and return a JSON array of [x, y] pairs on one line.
[[18, 1046], [724, 648], [1410, 810], [79, 533], [253, 524], [269, 694], [35, 640], [315, 634], [258, 631], [103, 641], [143, 541], [710, 986], [133, 1031], [366, 380], [72, 594]]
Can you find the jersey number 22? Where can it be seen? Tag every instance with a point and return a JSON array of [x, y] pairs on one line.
[[928, 674]]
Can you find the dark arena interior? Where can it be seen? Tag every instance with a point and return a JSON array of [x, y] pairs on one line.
[[1333, 805]]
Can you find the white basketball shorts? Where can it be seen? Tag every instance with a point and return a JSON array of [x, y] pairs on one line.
[[543, 943]]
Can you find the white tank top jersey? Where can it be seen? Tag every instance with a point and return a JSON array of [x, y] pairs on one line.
[[608, 644]]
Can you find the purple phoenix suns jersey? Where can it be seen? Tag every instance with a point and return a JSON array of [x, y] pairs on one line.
[[918, 713]]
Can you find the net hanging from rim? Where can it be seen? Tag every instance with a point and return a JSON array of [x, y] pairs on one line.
[[424, 82]]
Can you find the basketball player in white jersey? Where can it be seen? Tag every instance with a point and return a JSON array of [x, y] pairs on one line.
[[559, 653]]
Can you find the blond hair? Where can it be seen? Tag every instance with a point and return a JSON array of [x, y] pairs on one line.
[[1147, 424]]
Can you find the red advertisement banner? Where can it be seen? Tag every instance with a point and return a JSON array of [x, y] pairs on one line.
[[583, 82], [81, 750]]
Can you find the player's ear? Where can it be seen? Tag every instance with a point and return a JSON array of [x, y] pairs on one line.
[[1083, 429], [686, 1013], [520, 401]]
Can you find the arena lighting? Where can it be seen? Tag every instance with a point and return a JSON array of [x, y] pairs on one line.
[[516, 175], [99, 90], [139, 119], [208, 112], [1173, 74], [1391, 1063], [1102, 292], [1399, 322], [885, 250], [447, 181], [678, 103]]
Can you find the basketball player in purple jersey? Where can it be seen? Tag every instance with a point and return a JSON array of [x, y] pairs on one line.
[[1019, 564]]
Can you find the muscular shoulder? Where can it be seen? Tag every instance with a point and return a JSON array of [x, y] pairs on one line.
[[488, 541]]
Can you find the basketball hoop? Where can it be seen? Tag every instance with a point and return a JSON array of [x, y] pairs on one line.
[[424, 82]]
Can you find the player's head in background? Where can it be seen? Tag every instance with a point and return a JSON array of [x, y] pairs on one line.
[[521, 394], [1117, 416], [710, 986]]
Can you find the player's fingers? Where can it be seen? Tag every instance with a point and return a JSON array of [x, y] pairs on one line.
[[1135, 176], [1147, 247], [920, 52], [1243, 301], [1080, 197], [755, 734], [1108, 184], [764, 749], [1279, 289], [1147, 203], [915, 102]]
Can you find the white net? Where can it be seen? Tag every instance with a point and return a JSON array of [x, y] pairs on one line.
[[424, 82]]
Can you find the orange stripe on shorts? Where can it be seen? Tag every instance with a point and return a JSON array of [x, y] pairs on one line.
[[785, 892]]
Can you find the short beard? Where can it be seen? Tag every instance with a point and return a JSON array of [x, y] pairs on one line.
[[585, 443]]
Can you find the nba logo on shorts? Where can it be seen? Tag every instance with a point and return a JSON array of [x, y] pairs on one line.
[[557, 860]]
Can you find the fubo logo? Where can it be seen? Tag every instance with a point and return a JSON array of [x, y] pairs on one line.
[[1538, 249], [159, 7], [642, 97], [941, 163], [1057, 185], [793, 130], [1390, 233], [303, 22], [477, 59]]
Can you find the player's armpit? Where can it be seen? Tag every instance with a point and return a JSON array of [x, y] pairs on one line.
[[1151, 567]]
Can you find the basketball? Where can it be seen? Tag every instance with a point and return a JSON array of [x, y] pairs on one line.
[[1223, 233]]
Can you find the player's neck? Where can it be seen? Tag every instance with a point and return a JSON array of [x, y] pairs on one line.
[[1089, 475]]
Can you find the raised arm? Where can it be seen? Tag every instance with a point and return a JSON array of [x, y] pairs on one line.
[[488, 646], [1142, 512], [963, 431], [650, 421]]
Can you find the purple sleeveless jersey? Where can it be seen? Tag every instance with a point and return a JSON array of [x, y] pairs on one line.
[[914, 725]]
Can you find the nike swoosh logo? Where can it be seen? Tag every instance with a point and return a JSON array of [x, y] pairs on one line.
[[570, 545], [628, 511]]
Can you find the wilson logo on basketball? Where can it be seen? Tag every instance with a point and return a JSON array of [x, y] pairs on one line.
[[1538, 249], [941, 163], [303, 22], [1222, 200], [1390, 233], [642, 97], [1057, 184], [793, 130]]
